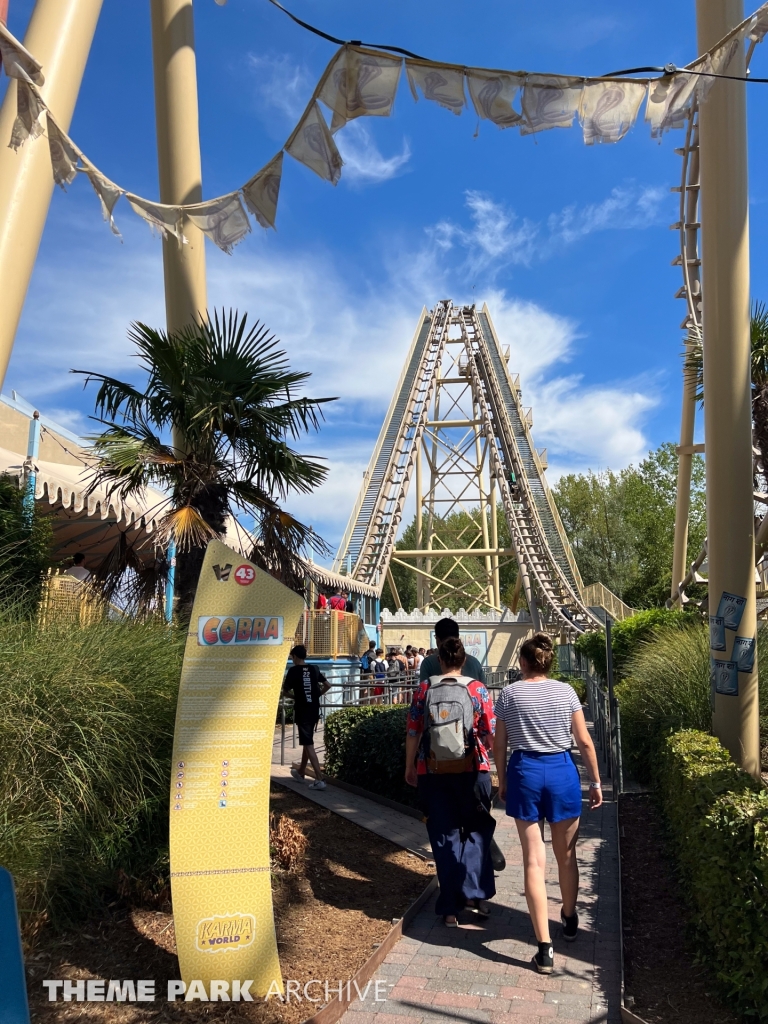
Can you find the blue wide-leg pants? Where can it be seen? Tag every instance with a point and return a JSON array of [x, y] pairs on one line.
[[460, 832]]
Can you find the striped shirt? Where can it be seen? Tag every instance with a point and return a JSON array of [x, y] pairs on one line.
[[538, 715]]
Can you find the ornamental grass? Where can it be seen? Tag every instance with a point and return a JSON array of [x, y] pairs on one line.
[[86, 735]]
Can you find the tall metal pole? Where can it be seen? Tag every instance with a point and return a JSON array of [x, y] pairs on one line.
[[59, 35], [727, 402], [419, 528], [684, 469], [178, 153]]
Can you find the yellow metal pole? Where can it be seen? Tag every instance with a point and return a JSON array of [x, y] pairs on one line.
[[495, 542], [684, 467], [59, 35], [727, 404], [178, 153], [419, 528]]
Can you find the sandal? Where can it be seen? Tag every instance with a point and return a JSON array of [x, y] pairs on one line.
[[449, 920], [480, 908]]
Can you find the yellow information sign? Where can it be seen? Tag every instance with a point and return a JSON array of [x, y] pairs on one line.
[[242, 628]]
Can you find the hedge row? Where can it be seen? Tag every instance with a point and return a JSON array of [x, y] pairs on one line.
[[366, 747], [718, 819], [629, 635]]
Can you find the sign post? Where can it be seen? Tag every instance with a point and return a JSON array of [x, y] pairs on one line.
[[242, 628]]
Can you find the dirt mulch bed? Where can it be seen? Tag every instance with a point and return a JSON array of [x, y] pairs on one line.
[[660, 973], [329, 915]]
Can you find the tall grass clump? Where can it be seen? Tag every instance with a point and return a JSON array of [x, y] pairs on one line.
[[667, 688], [86, 734]]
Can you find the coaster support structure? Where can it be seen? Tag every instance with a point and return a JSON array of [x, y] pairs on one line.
[[60, 35]]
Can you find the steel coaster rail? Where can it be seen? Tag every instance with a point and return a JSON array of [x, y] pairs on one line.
[[383, 519], [529, 536]]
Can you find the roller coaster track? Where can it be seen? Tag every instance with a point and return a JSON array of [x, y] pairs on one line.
[[689, 260], [550, 577]]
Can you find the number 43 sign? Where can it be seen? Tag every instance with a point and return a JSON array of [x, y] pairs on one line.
[[245, 575]]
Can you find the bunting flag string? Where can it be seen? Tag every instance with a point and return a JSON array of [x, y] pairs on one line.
[[363, 82]]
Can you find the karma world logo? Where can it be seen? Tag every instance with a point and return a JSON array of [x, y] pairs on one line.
[[226, 933]]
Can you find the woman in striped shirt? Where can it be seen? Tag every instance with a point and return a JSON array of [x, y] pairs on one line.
[[537, 716]]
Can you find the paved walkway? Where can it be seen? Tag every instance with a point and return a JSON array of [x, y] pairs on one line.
[[481, 972], [390, 824]]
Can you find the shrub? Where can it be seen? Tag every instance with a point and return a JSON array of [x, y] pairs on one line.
[[579, 686], [287, 841], [366, 747], [667, 688], [718, 819], [86, 737], [25, 547], [627, 636]]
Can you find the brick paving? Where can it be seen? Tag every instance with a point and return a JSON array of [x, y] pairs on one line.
[[481, 972]]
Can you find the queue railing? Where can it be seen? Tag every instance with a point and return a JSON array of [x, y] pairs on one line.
[[331, 634], [350, 687]]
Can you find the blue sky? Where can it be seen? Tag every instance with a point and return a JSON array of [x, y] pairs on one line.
[[569, 245]]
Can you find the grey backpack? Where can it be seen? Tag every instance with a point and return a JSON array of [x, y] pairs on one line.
[[449, 735]]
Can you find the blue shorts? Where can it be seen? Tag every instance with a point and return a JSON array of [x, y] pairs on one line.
[[543, 786]]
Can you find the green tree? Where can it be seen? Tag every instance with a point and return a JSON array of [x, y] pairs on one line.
[[25, 548], [460, 529], [622, 525], [227, 397], [592, 508]]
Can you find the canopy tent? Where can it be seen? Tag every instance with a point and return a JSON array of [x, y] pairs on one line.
[[90, 523]]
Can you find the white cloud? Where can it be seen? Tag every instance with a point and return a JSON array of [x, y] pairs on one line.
[[363, 163], [352, 336], [585, 426], [495, 236], [281, 84], [626, 207], [499, 238]]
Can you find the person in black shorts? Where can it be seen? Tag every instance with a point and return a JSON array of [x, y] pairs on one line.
[[307, 684]]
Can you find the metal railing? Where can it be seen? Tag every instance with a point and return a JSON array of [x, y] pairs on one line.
[[597, 595], [352, 688], [331, 634]]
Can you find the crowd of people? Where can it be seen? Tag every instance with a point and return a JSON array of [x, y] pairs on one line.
[[390, 678], [455, 736]]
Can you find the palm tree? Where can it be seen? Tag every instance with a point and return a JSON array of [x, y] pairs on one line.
[[210, 429], [758, 331]]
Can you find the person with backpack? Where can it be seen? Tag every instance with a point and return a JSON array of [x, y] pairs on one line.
[[380, 676], [449, 734]]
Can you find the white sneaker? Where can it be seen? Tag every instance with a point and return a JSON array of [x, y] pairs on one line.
[[296, 774], [317, 784]]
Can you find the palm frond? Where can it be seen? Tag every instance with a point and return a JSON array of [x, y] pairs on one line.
[[186, 527]]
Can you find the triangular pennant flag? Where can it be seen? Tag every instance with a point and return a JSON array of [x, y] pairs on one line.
[[18, 61], [29, 108], [758, 25], [440, 83], [608, 109], [360, 83], [549, 101], [492, 94], [64, 153], [167, 219], [669, 100], [718, 63], [262, 191], [107, 191], [223, 220], [312, 144]]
